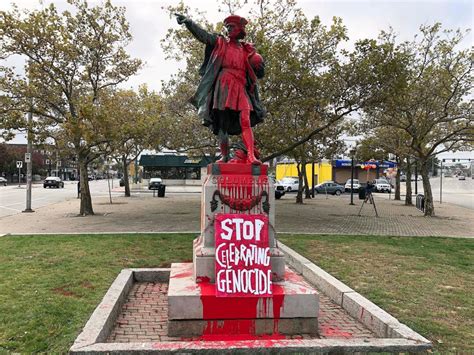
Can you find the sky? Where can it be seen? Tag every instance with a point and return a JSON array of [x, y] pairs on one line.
[[363, 19]]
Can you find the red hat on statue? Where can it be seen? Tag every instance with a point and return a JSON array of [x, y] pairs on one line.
[[235, 19]]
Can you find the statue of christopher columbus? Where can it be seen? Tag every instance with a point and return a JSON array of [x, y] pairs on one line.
[[227, 97]]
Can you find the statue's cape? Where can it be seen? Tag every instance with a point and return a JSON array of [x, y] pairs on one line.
[[202, 99]]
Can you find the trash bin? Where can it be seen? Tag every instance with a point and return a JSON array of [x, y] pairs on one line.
[[362, 193], [161, 190], [420, 202]]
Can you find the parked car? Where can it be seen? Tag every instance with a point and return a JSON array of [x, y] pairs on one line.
[[3, 181], [53, 181], [461, 177], [355, 185], [279, 191], [290, 183], [381, 185], [122, 182], [329, 187], [154, 183]]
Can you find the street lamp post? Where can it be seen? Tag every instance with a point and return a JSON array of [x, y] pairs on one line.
[[416, 177], [352, 152], [29, 154], [29, 165]]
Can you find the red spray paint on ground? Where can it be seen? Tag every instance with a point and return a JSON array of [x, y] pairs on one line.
[[333, 332]]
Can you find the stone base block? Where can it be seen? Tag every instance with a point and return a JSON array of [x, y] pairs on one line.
[[233, 327], [292, 299]]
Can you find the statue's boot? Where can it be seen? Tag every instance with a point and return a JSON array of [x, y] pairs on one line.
[[247, 137]]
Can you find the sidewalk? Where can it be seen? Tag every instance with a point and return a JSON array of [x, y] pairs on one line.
[[180, 212]]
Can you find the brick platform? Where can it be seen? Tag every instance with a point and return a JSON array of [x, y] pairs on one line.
[[144, 318]]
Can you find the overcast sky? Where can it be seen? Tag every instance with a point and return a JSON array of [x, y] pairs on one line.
[[363, 19]]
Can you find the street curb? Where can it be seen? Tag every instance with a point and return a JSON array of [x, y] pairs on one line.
[[372, 316]]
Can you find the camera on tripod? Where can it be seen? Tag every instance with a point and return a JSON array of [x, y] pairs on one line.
[[366, 195], [367, 191]]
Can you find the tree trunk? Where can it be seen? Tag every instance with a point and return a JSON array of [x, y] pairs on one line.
[[86, 200], [126, 181], [306, 184], [299, 195], [397, 180], [408, 195], [429, 205]]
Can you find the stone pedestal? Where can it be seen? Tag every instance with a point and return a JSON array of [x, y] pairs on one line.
[[234, 188], [195, 310], [198, 308]]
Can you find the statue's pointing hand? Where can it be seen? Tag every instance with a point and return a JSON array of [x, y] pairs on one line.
[[180, 18]]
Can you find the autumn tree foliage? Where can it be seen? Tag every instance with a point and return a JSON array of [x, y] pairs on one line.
[[311, 85], [71, 59], [432, 105], [137, 118]]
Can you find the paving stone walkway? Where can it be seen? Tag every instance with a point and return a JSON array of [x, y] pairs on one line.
[[144, 318], [180, 212]]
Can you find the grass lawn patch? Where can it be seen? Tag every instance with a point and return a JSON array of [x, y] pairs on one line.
[[50, 285], [427, 283]]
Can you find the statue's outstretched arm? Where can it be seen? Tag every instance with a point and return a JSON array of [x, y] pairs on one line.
[[197, 31]]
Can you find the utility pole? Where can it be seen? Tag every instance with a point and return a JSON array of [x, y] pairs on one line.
[[29, 164]]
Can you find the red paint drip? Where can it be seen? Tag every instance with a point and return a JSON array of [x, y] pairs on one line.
[[233, 318], [278, 299]]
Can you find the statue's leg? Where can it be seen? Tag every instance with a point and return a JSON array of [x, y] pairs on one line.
[[247, 137], [224, 145]]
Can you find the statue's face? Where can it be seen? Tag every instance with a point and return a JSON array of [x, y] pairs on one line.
[[235, 31]]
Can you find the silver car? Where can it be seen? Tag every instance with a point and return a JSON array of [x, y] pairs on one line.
[[382, 185], [355, 185]]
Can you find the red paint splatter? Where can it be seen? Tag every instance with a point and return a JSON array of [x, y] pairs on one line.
[[182, 275], [259, 342], [333, 332], [202, 279]]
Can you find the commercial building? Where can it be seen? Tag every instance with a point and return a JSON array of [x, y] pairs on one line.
[[337, 170], [175, 169]]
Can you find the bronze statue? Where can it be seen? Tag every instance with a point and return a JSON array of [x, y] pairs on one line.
[[227, 97]]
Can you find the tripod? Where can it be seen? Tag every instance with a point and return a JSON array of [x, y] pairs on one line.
[[371, 200]]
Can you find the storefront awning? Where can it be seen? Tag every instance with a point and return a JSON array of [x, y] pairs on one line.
[[173, 161], [346, 163]]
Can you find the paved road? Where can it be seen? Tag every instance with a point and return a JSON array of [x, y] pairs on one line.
[[457, 192], [13, 198]]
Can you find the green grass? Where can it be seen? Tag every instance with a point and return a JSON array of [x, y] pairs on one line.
[[49, 285], [427, 283]]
